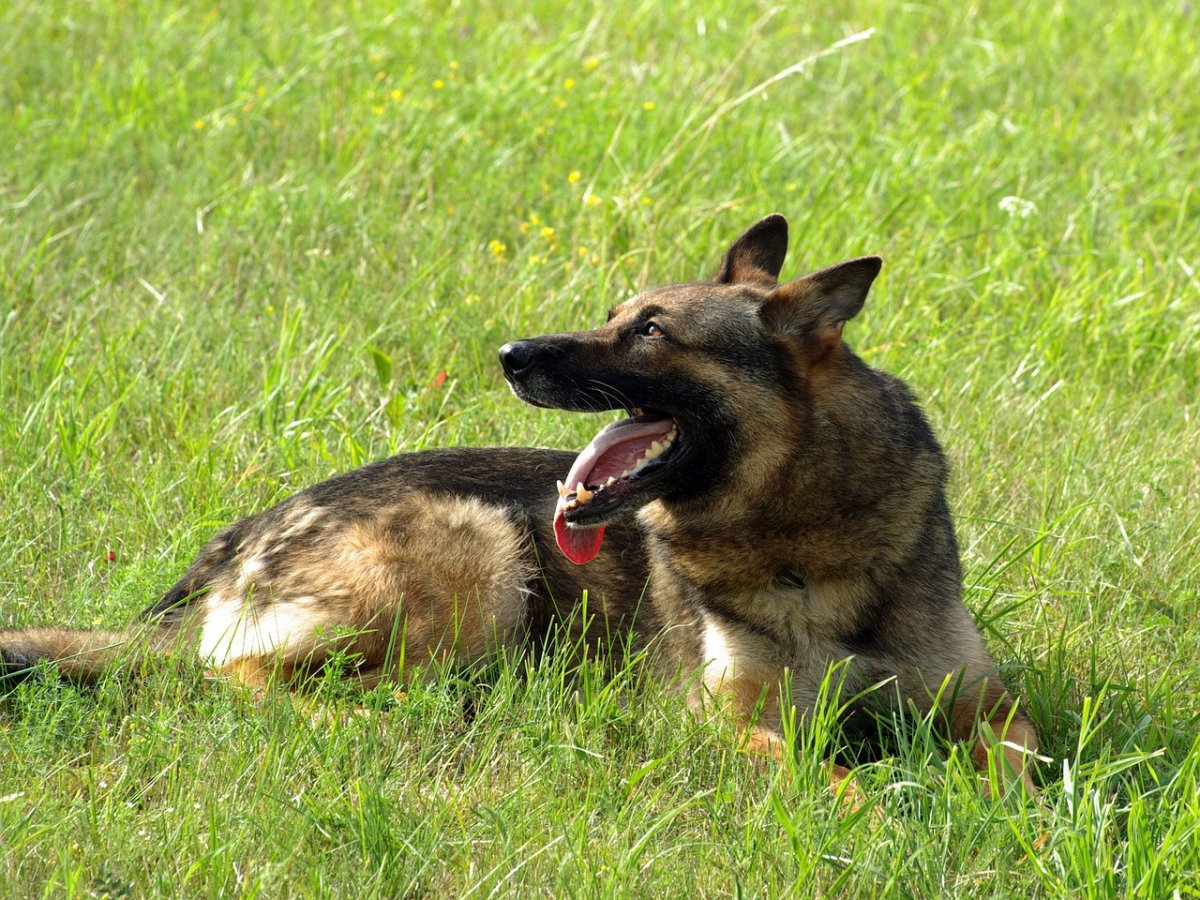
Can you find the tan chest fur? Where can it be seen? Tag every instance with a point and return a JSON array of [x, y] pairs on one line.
[[789, 634]]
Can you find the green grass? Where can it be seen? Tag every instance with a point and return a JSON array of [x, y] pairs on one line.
[[238, 245]]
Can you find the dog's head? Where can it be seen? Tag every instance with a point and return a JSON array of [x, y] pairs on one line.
[[704, 370]]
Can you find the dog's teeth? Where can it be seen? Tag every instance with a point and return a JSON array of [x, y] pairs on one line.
[[562, 489], [655, 450], [582, 494], [612, 479]]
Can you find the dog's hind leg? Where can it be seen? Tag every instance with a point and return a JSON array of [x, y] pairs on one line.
[[423, 579]]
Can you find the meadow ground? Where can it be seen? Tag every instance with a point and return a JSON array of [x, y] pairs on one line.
[[247, 246]]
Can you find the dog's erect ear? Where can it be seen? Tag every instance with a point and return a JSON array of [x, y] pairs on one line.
[[822, 302], [758, 254]]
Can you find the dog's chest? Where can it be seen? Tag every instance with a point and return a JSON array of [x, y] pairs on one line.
[[756, 637]]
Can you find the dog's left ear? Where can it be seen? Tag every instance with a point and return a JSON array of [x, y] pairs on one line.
[[758, 254], [821, 303]]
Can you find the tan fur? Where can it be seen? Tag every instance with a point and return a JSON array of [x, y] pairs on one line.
[[428, 578], [81, 655]]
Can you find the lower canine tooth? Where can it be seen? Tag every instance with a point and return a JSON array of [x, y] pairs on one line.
[[562, 489], [583, 494]]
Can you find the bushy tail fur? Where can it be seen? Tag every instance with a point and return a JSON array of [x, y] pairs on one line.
[[79, 656]]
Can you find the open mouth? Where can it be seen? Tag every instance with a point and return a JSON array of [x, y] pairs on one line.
[[622, 459]]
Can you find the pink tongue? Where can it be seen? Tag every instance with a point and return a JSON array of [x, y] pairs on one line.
[[616, 448], [579, 545]]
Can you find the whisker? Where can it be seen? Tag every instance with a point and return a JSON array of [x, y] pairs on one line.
[[615, 396]]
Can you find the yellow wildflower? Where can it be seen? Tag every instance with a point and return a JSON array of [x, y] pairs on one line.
[[569, 84], [199, 124], [591, 64], [548, 233], [438, 84], [396, 94], [649, 105], [498, 248], [573, 177]]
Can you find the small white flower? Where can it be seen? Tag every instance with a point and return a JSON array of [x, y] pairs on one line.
[[1015, 206]]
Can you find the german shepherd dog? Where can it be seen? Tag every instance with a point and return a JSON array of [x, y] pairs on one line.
[[768, 507]]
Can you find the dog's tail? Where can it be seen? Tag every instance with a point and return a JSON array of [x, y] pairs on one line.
[[78, 656]]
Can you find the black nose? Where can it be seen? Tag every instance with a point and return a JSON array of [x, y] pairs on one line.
[[517, 356]]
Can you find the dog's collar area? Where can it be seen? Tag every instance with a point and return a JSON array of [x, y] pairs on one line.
[[790, 579]]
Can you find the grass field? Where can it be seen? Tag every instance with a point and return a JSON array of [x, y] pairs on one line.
[[247, 246]]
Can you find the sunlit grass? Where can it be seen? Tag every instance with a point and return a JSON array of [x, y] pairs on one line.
[[244, 248]]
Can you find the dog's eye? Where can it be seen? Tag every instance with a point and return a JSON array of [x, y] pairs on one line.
[[652, 329]]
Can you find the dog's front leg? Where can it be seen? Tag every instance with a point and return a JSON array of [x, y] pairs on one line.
[[748, 692]]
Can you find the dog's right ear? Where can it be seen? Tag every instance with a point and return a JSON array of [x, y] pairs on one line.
[[819, 304], [758, 254]]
